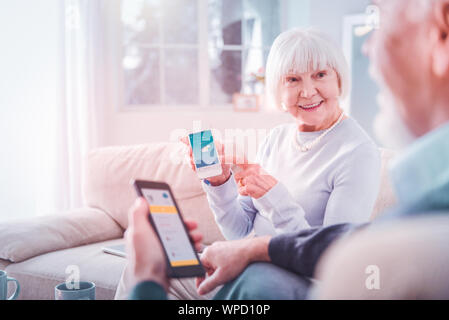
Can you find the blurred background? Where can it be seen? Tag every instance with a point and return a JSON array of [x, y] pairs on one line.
[[82, 74]]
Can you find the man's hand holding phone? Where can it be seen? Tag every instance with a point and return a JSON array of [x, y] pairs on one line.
[[146, 261]]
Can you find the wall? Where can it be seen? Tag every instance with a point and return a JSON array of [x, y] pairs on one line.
[[327, 15], [144, 126]]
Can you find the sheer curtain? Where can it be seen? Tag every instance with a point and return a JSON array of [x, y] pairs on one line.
[[84, 92], [50, 106]]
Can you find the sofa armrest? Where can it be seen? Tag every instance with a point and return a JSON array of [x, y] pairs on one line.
[[26, 238]]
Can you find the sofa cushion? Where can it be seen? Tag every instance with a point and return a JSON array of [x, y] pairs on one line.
[[38, 276], [110, 171], [26, 238]]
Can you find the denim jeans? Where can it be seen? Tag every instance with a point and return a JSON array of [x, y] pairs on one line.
[[265, 281]]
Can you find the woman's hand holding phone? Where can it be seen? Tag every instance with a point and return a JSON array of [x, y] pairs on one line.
[[252, 180], [226, 167]]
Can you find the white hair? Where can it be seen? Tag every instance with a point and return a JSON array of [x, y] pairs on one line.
[[303, 50]]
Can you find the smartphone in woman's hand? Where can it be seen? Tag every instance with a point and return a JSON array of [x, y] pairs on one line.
[[205, 156]]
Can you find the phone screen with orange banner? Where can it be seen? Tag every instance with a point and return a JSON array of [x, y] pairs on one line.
[[171, 230]]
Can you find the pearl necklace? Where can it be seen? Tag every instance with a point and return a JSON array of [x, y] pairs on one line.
[[307, 146]]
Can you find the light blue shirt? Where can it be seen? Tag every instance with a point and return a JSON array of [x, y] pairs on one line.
[[420, 176], [337, 181]]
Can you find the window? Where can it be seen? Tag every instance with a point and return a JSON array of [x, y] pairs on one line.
[[194, 52], [362, 103]]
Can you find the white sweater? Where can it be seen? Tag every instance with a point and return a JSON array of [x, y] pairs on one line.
[[337, 181]]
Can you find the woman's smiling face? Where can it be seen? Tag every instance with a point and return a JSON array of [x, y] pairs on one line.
[[312, 98]]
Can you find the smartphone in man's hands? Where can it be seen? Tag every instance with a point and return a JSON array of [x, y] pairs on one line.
[[165, 218]]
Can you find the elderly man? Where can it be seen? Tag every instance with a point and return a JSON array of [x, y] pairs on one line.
[[405, 254]]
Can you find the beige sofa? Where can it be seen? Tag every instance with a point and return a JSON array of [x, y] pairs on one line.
[[38, 251]]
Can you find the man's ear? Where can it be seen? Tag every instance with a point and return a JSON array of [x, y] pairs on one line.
[[440, 53]]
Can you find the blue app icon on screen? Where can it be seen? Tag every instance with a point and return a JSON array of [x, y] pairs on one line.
[[203, 148]]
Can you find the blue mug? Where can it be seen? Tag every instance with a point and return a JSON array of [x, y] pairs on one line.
[[4, 279], [82, 290]]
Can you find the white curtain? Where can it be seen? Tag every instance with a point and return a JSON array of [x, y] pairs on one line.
[[50, 107], [81, 117]]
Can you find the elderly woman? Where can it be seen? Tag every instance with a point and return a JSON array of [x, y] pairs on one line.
[[322, 169]]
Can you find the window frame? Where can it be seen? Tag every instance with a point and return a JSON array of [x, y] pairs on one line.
[[349, 22], [204, 88]]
